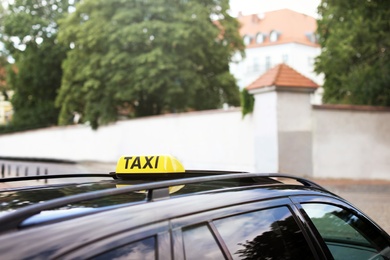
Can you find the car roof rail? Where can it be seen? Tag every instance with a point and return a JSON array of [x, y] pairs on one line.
[[303, 181], [155, 191], [186, 174], [55, 176]]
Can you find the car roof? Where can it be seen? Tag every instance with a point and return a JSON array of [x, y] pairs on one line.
[[88, 228], [128, 199], [136, 180], [23, 207]]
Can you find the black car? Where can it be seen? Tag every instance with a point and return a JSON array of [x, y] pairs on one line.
[[152, 208]]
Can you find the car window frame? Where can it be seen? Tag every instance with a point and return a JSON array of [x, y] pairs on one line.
[[333, 201], [178, 224]]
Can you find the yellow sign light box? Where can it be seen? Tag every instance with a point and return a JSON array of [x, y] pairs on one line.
[[149, 164]]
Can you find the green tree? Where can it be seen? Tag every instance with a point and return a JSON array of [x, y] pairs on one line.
[[29, 34], [247, 102], [3, 59], [355, 41], [147, 57]]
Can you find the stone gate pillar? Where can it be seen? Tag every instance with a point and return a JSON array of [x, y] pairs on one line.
[[283, 121]]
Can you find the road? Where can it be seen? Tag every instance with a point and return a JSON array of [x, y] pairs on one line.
[[370, 196]]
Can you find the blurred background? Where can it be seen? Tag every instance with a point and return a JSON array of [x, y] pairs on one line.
[[298, 87]]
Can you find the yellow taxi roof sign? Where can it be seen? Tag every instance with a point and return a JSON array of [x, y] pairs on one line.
[[149, 164]]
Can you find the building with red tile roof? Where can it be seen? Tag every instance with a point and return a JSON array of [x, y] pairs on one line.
[[289, 25], [283, 75], [271, 38]]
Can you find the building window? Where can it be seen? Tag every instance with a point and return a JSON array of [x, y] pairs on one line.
[[267, 62], [312, 37], [247, 39], [273, 36], [256, 65], [285, 58], [310, 61], [260, 38]]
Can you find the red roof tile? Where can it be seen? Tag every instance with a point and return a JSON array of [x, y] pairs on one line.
[[292, 26], [282, 76]]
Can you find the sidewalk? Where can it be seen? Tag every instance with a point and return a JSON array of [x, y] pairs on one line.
[[370, 196]]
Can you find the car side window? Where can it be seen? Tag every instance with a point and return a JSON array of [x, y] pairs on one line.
[[266, 234], [143, 249], [345, 234], [199, 243]]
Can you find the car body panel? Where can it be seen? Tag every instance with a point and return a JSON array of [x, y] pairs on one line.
[[85, 228], [91, 228]]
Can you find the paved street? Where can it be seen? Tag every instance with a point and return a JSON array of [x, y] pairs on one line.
[[372, 197]]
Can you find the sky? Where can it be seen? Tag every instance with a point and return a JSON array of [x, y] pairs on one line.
[[308, 7]]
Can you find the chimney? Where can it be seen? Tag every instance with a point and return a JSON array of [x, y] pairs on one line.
[[255, 19]]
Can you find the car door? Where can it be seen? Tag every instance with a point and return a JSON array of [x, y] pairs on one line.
[[342, 230], [262, 230]]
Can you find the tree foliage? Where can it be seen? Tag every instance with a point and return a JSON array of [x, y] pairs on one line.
[[29, 34], [355, 41], [143, 58], [3, 60]]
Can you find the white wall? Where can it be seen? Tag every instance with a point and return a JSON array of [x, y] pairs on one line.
[[351, 142], [302, 60], [294, 111], [284, 134], [201, 140], [266, 132]]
